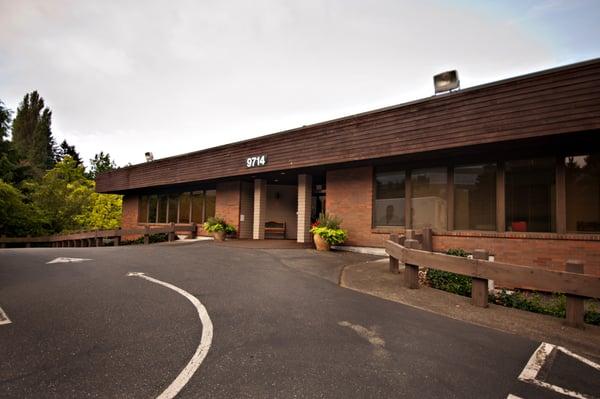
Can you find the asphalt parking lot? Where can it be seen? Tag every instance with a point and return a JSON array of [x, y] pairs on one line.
[[279, 326]]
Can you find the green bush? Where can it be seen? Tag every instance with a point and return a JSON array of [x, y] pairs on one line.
[[329, 221], [328, 227], [154, 238], [554, 305], [332, 236], [450, 282], [215, 224]]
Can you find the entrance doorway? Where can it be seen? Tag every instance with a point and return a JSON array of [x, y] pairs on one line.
[[317, 202]]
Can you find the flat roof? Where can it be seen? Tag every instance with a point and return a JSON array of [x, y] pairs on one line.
[[557, 80]]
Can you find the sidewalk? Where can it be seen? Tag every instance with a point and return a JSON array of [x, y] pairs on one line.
[[374, 278]]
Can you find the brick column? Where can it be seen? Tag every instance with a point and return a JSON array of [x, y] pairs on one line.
[[304, 204], [260, 209]]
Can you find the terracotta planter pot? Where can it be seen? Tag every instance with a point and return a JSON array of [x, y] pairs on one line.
[[219, 235], [320, 243]]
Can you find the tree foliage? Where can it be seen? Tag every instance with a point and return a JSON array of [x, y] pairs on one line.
[[64, 149], [10, 171], [17, 218], [100, 163], [44, 188], [32, 134]]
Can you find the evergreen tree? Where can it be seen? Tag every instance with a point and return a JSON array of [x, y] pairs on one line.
[[65, 149], [5, 115], [32, 134], [101, 163], [10, 171]]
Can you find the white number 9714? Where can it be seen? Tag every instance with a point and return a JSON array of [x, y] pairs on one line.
[[259, 160]]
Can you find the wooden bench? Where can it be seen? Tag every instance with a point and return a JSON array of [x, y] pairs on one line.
[[275, 229]]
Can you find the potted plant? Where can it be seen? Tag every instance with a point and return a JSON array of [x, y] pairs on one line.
[[218, 227], [327, 232]]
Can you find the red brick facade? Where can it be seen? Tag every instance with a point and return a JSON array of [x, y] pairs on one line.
[[544, 253], [350, 196], [129, 220], [228, 203]]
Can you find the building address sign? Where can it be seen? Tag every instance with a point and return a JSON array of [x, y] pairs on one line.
[[253, 162]]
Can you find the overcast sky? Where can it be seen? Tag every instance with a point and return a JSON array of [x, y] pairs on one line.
[[176, 76]]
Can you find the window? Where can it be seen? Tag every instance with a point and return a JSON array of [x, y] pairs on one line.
[[198, 206], [152, 208], [211, 202], [530, 195], [143, 209], [178, 208], [162, 209], [583, 192], [184, 208], [475, 197], [389, 198], [173, 204], [429, 198]]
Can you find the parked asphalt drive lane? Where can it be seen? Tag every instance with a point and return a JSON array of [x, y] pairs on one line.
[[87, 330]]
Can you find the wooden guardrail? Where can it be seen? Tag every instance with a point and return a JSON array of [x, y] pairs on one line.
[[96, 238], [572, 282]]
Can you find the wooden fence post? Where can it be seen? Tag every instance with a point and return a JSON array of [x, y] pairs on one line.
[[479, 292], [171, 235], [575, 311], [428, 239], [411, 272], [393, 261], [146, 235]]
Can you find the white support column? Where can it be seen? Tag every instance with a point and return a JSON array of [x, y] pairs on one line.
[[260, 209], [304, 204]]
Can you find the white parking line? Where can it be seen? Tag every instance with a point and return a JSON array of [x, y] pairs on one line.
[[536, 362], [205, 341], [4, 318]]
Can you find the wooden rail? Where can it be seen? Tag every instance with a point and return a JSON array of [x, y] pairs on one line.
[[96, 238], [571, 282]]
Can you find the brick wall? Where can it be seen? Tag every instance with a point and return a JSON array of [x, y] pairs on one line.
[[544, 253], [246, 209], [349, 196], [228, 203], [129, 218]]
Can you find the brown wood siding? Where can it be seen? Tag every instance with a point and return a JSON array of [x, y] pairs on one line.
[[558, 101]]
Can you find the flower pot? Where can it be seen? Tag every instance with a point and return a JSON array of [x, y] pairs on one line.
[[219, 235], [320, 243]]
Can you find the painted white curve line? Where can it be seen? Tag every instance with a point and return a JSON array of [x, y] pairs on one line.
[[4, 318], [205, 341], [536, 361]]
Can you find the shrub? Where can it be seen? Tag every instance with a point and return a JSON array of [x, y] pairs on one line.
[[332, 236], [329, 221], [215, 224], [552, 305], [450, 282], [328, 227], [154, 238]]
